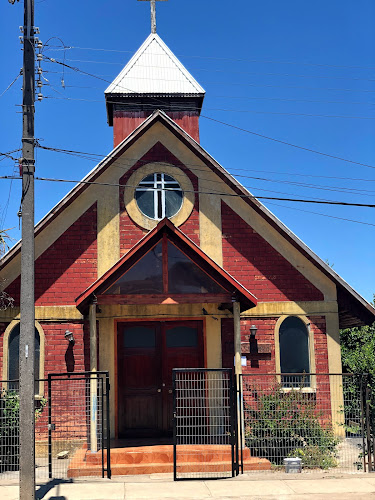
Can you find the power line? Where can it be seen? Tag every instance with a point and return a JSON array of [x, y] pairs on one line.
[[197, 168], [266, 61], [231, 72], [288, 143], [323, 215], [232, 110], [9, 86], [239, 128], [215, 83], [215, 193], [311, 101]]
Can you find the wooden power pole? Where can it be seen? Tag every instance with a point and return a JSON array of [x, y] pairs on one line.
[[27, 327]]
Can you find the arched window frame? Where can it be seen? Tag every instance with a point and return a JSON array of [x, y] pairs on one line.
[[311, 348], [6, 336]]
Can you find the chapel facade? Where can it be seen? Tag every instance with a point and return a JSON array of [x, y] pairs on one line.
[[156, 259]]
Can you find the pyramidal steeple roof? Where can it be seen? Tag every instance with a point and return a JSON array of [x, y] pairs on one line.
[[154, 69]]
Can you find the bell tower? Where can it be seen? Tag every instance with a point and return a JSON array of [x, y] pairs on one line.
[[153, 79]]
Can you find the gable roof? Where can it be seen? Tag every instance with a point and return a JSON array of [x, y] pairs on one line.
[[165, 227], [154, 69], [354, 310]]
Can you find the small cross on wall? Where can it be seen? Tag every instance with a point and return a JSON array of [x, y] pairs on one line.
[[153, 12]]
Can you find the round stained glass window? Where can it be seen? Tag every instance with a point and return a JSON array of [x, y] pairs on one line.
[[159, 195]]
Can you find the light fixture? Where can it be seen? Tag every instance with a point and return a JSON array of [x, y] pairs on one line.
[[253, 331], [69, 337]]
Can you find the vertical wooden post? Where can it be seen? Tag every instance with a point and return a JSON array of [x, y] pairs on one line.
[[93, 379], [238, 368]]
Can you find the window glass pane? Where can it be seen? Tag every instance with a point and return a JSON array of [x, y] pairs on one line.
[[149, 179], [139, 336], [173, 202], [169, 195], [182, 336], [294, 351], [185, 277], [146, 276], [145, 201], [14, 354]]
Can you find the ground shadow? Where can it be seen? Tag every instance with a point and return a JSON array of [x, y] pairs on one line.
[[43, 489]]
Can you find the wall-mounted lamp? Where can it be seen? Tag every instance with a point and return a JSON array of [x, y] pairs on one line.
[[69, 337], [253, 331]]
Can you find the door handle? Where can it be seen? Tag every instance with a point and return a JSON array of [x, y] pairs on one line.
[[170, 391], [159, 390]]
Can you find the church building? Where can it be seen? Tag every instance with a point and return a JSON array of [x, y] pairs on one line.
[[161, 259]]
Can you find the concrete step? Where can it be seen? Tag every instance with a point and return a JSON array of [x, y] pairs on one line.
[[203, 459], [164, 454]]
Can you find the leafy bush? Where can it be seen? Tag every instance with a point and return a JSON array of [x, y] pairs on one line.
[[284, 424], [9, 428]]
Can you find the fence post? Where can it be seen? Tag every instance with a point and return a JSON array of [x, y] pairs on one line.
[[107, 389], [368, 426], [93, 379], [49, 426], [174, 425]]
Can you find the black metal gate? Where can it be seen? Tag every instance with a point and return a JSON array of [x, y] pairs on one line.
[[78, 424], [204, 430]]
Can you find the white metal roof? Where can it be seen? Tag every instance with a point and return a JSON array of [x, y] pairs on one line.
[[154, 69]]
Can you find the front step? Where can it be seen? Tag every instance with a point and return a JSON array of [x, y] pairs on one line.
[[159, 459]]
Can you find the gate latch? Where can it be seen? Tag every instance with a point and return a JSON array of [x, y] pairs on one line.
[[51, 427]]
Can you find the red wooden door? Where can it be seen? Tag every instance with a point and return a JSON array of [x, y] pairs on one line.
[[139, 380], [182, 348], [147, 353]]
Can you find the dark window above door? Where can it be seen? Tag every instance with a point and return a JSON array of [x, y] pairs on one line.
[[165, 269]]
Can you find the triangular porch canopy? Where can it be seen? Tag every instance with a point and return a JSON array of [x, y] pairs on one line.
[[166, 267]]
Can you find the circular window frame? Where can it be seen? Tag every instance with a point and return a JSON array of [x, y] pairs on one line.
[[186, 186]]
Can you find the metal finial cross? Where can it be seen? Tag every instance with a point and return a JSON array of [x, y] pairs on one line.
[[153, 13]]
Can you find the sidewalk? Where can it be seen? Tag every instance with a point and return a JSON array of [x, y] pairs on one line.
[[247, 486]]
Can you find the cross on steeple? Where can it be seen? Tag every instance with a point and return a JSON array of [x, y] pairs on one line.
[[153, 13]]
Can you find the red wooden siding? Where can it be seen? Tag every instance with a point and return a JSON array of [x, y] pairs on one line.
[[125, 122]]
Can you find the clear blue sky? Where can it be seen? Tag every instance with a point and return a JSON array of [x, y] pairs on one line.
[[301, 72]]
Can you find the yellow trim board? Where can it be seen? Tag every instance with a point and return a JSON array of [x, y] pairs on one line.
[[292, 308]]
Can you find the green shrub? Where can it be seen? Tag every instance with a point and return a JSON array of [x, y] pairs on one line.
[[283, 424], [9, 428]]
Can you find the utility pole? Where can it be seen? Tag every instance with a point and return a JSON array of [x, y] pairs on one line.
[[27, 328]]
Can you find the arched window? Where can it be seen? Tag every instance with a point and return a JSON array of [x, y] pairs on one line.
[[13, 369], [294, 352]]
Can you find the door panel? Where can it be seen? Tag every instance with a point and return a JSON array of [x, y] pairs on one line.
[[147, 353], [139, 378], [183, 348]]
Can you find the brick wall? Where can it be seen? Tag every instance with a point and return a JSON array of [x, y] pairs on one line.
[[265, 362], [258, 266], [131, 233], [60, 356], [67, 267], [256, 362]]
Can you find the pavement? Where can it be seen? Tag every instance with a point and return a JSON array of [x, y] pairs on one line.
[[277, 486]]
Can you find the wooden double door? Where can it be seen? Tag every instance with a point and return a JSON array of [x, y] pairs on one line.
[[147, 353]]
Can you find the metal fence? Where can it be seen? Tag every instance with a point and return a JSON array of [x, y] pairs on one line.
[[204, 424], [72, 435], [325, 421]]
